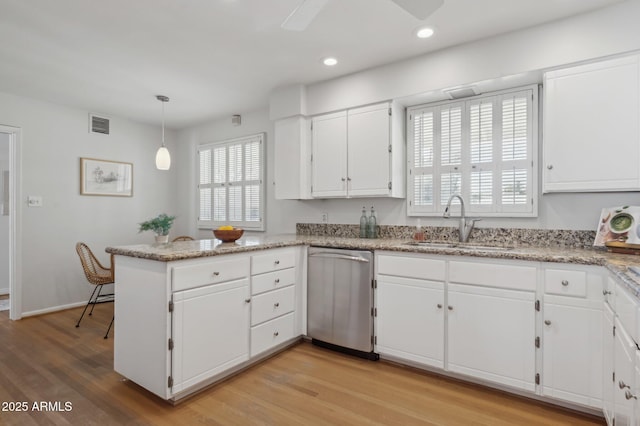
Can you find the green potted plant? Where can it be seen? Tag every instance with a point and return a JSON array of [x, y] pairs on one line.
[[160, 225]]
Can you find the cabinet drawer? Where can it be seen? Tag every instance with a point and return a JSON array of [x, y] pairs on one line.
[[515, 277], [411, 267], [272, 260], [272, 304], [565, 283], [272, 280], [210, 272], [272, 333]]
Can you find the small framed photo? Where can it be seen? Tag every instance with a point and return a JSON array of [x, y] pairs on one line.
[[105, 177]]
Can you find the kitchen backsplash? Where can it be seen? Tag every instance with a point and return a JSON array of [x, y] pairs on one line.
[[498, 236]]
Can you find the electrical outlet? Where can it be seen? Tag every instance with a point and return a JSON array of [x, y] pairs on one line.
[[325, 217], [34, 201]]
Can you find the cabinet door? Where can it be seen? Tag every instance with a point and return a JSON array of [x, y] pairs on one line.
[[491, 334], [210, 331], [291, 159], [329, 161], [368, 141], [410, 319], [592, 127], [572, 354], [608, 379], [624, 359]]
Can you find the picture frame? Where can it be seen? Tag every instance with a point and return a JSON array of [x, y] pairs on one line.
[[106, 177]]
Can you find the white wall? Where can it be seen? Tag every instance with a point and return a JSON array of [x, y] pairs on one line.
[[53, 140], [609, 31], [4, 220]]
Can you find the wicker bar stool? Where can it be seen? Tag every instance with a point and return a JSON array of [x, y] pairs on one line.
[[182, 238], [97, 275]]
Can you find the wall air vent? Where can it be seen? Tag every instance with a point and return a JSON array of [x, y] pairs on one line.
[[461, 92], [98, 124]]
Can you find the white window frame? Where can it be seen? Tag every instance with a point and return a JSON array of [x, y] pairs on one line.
[[497, 166], [259, 225]]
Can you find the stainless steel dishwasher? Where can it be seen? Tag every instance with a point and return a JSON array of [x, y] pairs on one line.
[[340, 300]]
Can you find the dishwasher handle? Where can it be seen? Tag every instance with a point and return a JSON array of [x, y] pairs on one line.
[[329, 255]]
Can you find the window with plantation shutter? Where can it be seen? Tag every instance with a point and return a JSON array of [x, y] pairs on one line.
[[483, 148], [230, 188]]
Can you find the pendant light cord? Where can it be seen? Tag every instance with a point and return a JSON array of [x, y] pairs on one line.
[[163, 123]]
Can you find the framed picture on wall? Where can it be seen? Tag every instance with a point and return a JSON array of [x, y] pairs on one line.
[[105, 177]]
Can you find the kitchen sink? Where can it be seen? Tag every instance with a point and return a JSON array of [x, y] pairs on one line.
[[462, 246]]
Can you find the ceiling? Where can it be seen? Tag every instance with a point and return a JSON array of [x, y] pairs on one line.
[[215, 58]]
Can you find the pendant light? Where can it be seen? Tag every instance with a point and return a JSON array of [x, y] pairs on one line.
[[163, 158]]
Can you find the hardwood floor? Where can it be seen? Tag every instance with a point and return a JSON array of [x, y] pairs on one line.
[[47, 359]]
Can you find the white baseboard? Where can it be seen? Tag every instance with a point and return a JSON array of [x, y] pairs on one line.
[[4, 291], [52, 309]]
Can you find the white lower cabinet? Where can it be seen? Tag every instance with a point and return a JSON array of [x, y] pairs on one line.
[[410, 319], [624, 386], [530, 326], [491, 334], [211, 331], [608, 375], [572, 346]]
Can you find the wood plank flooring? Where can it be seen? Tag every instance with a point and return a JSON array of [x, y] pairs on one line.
[[47, 359]]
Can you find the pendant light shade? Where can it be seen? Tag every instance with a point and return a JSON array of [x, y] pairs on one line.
[[163, 158]]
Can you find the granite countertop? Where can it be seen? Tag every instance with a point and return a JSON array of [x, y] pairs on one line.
[[180, 250]]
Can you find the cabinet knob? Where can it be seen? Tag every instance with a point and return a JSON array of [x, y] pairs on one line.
[[565, 283], [629, 395], [277, 281], [550, 166], [450, 308], [623, 385], [247, 300], [439, 305], [547, 322], [275, 333], [343, 179], [277, 262], [215, 274], [348, 179], [277, 304], [605, 292]]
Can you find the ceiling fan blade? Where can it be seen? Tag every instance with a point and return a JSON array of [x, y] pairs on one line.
[[421, 9], [303, 15]]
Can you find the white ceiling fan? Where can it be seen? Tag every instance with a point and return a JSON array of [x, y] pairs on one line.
[[305, 13]]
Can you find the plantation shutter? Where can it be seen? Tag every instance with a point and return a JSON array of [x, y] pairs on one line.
[[231, 183], [481, 148]]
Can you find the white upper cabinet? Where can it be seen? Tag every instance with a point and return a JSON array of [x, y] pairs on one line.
[[292, 143], [592, 127], [358, 153], [329, 160]]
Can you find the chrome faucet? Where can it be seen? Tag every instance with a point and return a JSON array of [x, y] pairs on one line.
[[466, 224]]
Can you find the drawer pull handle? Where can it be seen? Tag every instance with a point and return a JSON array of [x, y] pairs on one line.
[[277, 262], [565, 283], [215, 274], [629, 395], [275, 333], [606, 292], [450, 308], [623, 385], [547, 322], [247, 300], [277, 280], [439, 305], [277, 304]]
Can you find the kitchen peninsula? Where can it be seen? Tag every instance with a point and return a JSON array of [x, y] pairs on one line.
[[190, 313]]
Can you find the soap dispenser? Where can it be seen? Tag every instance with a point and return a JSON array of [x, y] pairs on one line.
[[371, 224], [363, 223]]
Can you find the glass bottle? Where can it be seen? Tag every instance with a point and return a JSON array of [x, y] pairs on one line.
[[363, 223], [371, 224]]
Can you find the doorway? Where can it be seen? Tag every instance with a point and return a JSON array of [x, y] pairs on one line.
[[10, 253]]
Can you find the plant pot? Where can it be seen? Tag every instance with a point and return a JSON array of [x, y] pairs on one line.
[[162, 239]]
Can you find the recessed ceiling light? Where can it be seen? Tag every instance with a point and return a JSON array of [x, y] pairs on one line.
[[425, 32], [330, 61]]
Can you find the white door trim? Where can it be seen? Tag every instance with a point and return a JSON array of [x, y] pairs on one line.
[[15, 211]]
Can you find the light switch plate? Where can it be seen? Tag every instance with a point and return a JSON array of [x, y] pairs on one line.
[[34, 201]]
